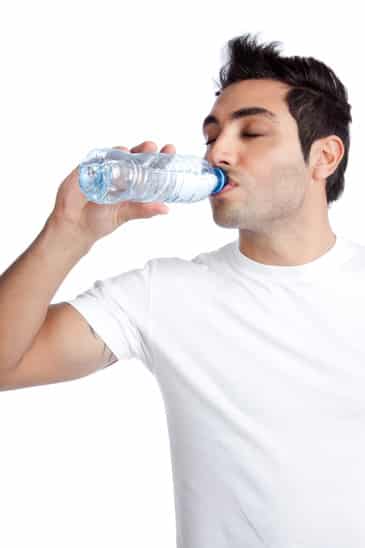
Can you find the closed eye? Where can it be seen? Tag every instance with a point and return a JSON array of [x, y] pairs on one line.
[[243, 135]]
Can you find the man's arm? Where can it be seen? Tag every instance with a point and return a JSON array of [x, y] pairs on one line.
[[65, 348], [40, 342], [108, 357], [28, 285]]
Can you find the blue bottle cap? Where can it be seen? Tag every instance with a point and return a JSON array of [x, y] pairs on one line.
[[222, 179]]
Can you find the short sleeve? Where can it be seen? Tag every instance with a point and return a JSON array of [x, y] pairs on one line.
[[118, 309]]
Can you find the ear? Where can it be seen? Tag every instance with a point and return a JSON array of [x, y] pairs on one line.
[[326, 154]]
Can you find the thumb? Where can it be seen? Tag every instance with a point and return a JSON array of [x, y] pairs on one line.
[[155, 208], [163, 209], [140, 210]]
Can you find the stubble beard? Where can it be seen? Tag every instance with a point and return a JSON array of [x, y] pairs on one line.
[[281, 202]]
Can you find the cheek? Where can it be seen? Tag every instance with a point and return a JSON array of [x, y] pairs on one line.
[[264, 166], [287, 187], [275, 178], [263, 159], [285, 163]]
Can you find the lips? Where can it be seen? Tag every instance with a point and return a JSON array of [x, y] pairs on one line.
[[226, 188]]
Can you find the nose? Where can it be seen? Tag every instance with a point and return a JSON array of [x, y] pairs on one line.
[[221, 154]]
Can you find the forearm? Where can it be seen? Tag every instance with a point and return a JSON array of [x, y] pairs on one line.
[[29, 284]]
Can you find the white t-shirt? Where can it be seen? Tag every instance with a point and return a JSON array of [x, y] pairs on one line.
[[262, 373]]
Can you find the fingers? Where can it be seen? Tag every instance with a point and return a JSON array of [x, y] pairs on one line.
[[146, 146], [122, 148], [168, 149], [149, 146]]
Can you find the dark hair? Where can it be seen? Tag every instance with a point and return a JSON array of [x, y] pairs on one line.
[[317, 98]]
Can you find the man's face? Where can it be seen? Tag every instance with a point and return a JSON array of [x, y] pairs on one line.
[[272, 177]]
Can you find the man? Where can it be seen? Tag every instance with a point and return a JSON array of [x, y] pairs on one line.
[[256, 346], [279, 205]]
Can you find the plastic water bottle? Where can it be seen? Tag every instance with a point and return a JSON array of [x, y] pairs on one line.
[[109, 175]]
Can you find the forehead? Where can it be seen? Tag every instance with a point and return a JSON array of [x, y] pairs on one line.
[[263, 93]]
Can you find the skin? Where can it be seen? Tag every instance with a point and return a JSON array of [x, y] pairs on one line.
[[280, 205]]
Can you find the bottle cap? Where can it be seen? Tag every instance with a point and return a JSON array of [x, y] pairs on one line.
[[221, 178]]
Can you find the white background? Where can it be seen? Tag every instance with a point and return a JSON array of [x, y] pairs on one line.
[[86, 463]]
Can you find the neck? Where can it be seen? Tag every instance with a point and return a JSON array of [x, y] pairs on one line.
[[285, 250]]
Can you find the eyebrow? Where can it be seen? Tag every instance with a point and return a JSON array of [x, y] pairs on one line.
[[242, 112]]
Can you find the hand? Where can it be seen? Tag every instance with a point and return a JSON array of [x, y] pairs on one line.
[[94, 221]]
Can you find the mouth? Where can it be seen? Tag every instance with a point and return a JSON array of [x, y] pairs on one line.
[[229, 186]]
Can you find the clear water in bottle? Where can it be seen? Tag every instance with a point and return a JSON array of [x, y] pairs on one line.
[[110, 175]]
